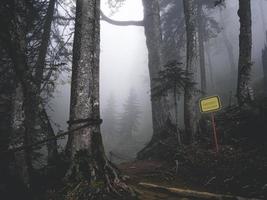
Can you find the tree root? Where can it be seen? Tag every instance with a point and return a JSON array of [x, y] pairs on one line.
[[91, 179]]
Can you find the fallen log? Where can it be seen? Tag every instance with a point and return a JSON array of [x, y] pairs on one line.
[[192, 193]]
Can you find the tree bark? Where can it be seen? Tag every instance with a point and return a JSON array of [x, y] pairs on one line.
[[39, 73], [201, 49], [16, 48], [190, 112], [160, 106], [88, 161], [179, 141], [17, 130], [264, 64], [245, 44]]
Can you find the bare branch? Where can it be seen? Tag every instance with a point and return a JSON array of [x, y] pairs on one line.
[[120, 23]]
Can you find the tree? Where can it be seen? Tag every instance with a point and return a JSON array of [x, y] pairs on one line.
[[25, 43], [264, 64], [229, 46], [89, 167], [201, 49], [245, 45], [14, 41], [160, 106], [173, 30], [129, 117], [190, 113], [39, 76], [172, 79]]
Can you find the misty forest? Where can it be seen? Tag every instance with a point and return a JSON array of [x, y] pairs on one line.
[[133, 99]]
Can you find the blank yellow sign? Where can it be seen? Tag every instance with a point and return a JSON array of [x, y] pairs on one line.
[[210, 104]]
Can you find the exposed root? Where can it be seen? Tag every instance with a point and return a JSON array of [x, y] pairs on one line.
[[95, 180]]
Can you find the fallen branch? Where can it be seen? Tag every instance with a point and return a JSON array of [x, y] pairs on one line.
[[192, 193]]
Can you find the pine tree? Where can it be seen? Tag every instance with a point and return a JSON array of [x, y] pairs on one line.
[[129, 118]]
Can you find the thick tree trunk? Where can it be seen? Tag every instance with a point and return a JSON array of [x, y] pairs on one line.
[[160, 106], [17, 130], [16, 47], [89, 165], [262, 14], [245, 44], [190, 102], [201, 49]]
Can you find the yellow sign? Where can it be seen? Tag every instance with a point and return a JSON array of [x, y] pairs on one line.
[[210, 104]]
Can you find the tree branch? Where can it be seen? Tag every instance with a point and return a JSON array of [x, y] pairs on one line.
[[120, 23]]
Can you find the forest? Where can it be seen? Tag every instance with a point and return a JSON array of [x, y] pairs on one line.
[[133, 99]]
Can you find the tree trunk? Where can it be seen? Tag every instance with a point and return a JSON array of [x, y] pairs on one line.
[[264, 64], [201, 49], [245, 44], [47, 128], [39, 73], [16, 48], [17, 130], [190, 102], [160, 106], [262, 14], [89, 165], [179, 141], [212, 83], [229, 48]]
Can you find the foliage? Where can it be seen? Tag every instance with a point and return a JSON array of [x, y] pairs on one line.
[[173, 78], [173, 27], [115, 5]]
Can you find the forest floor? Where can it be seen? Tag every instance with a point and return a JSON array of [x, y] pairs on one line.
[[238, 169], [226, 181]]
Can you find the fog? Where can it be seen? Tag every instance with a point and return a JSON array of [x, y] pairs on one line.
[[124, 64]]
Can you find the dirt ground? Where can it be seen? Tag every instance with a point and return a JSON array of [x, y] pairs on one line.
[[156, 172]]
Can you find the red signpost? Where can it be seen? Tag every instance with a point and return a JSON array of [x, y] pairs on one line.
[[214, 133], [211, 105]]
